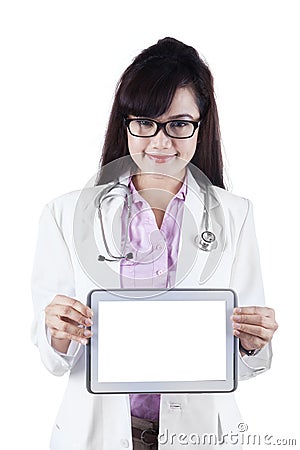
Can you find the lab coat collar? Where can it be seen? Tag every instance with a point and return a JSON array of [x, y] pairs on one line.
[[90, 244], [200, 185]]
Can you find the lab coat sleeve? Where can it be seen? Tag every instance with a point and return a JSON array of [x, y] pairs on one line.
[[246, 280], [52, 274]]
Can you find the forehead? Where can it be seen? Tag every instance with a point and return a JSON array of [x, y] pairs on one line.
[[183, 102]]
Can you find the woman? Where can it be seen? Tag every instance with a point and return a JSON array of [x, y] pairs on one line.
[[164, 121]]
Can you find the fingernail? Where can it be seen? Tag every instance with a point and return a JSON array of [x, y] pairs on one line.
[[88, 322], [87, 333], [89, 312], [237, 310], [236, 332], [237, 318], [236, 325], [83, 341]]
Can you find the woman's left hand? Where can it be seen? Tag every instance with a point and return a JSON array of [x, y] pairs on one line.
[[254, 326]]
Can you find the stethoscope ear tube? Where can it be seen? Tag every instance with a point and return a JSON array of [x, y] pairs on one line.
[[127, 197], [102, 258], [206, 241]]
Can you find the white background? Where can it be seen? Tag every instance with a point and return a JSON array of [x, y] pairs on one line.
[[60, 61]]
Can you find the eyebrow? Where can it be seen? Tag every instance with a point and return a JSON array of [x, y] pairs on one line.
[[178, 116]]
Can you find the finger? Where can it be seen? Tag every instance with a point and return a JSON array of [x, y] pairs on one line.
[[68, 314], [66, 319], [66, 310], [74, 315], [254, 330], [75, 304], [260, 310], [62, 335], [250, 342], [69, 330], [254, 319]]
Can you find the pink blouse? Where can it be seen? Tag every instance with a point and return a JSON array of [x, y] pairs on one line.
[[154, 262]]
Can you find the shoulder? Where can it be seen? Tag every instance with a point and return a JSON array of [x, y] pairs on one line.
[[63, 207], [63, 204], [230, 200], [70, 199], [236, 208], [232, 204]]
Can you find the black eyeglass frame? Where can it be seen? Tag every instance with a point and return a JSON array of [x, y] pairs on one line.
[[162, 125]]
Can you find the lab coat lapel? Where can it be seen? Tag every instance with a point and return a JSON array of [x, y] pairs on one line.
[[112, 222], [88, 241], [214, 257], [189, 258], [194, 266]]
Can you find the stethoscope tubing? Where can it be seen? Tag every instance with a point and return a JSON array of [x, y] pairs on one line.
[[206, 241]]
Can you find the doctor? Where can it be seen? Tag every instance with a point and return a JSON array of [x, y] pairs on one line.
[[164, 119]]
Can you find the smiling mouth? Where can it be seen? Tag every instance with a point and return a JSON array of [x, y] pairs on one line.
[[158, 157]]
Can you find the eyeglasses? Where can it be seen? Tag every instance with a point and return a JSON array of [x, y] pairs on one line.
[[145, 128]]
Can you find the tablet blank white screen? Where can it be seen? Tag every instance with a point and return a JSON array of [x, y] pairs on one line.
[[161, 341]]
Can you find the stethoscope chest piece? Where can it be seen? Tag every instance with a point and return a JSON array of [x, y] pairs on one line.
[[206, 241]]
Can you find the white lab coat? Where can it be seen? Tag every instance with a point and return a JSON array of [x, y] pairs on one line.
[[64, 266]]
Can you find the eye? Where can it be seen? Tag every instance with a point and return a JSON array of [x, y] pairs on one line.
[[178, 124], [145, 123]]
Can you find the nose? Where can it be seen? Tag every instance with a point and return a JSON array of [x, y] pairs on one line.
[[161, 140]]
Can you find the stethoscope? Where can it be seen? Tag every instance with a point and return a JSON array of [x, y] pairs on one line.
[[206, 241]]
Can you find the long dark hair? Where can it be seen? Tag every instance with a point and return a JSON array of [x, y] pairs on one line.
[[146, 89]]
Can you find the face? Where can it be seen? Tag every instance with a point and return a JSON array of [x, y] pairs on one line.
[[161, 154]]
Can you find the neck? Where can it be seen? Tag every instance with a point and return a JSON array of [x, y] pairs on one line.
[[143, 181], [157, 189]]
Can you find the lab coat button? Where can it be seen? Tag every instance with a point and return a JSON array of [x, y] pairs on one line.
[[125, 443], [175, 406], [159, 272]]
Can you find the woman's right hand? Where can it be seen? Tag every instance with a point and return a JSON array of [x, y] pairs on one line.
[[67, 319]]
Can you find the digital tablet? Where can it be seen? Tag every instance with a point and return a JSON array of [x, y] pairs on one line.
[[161, 341]]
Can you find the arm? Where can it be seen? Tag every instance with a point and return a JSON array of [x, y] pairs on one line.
[[52, 274], [255, 327]]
